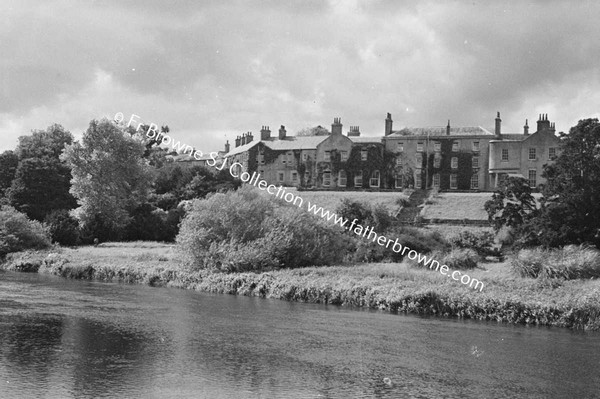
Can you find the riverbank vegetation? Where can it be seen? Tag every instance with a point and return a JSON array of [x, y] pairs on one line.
[[393, 287]]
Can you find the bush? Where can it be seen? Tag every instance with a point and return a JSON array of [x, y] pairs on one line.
[[570, 262], [376, 216], [18, 233], [245, 230], [459, 259], [481, 243], [63, 228]]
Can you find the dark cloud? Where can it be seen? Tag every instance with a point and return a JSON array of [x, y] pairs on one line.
[[209, 68]]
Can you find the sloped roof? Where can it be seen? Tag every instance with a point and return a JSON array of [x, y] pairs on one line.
[[441, 131], [296, 143], [242, 148], [365, 139]]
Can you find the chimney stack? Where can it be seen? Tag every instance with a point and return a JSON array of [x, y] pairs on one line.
[[265, 133], [543, 123], [282, 132], [526, 128], [448, 128], [227, 147], [237, 141], [388, 124], [354, 131], [498, 130], [336, 126], [243, 141], [249, 137]]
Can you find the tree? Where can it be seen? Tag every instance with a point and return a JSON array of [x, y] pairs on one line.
[[41, 182], [110, 176], [313, 131], [511, 204], [8, 167], [571, 212]]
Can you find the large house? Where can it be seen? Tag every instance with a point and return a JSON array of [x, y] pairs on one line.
[[447, 158]]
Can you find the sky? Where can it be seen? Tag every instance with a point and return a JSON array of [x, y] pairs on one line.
[[214, 69]]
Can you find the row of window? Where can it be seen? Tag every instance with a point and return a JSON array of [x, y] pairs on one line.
[[532, 154], [344, 155], [436, 181], [437, 146], [437, 159]]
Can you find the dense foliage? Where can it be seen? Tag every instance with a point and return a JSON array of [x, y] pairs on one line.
[[244, 230], [18, 233], [63, 228]]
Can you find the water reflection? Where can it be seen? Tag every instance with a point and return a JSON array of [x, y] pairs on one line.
[[62, 339]]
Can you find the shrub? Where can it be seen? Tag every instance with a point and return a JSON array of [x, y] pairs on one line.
[[570, 262], [63, 228], [481, 243], [460, 259], [18, 233], [376, 216], [245, 230]]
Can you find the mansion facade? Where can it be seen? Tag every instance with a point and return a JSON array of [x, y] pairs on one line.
[[447, 158]]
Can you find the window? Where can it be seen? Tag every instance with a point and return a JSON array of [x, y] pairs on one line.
[[374, 181], [398, 161], [437, 146], [475, 162], [476, 146], [306, 177], [363, 155], [420, 146], [304, 156], [454, 163], [455, 146], [532, 154], [294, 177], [400, 146], [399, 181], [283, 158], [453, 182], [327, 157], [419, 160], [437, 159], [505, 155], [358, 179], [290, 157], [280, 176], [326, 179], [342, 178], [261, 159], [436, 180], [418, 182], [475, 181], [344, 156], [551, 152], [532, 178]]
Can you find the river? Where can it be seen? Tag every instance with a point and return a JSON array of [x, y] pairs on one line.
[[78, 339]]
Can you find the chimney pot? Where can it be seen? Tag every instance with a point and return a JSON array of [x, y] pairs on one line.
[[388, 124]]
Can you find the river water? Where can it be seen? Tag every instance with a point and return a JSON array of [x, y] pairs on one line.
[[78, 339]]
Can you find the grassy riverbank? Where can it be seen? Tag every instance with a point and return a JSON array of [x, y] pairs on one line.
[[389, 287]]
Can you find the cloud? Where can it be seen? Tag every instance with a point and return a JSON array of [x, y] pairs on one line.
[[212, 68]]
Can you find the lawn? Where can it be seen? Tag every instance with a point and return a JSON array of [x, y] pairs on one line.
[[457, 206]]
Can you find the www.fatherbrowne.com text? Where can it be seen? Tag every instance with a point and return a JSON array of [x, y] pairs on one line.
[[237, 171]]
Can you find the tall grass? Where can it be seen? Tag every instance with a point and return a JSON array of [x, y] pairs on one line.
[[569, 263]]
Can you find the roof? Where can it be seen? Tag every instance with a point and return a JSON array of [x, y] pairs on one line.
[[359, 139], [441, 131], [289, 143]]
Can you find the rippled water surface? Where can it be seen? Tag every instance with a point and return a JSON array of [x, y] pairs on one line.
[[75, 339]]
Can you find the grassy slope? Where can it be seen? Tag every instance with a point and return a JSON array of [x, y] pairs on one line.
[[457, 206], [391, 287]]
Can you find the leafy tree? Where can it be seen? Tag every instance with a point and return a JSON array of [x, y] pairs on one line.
[[8, 167], [63, 228], [571, 212], [313, 131], [41, 182], [110, 176], [511, 204]]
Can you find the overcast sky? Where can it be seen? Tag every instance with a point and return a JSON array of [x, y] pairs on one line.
[[215, 69]]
